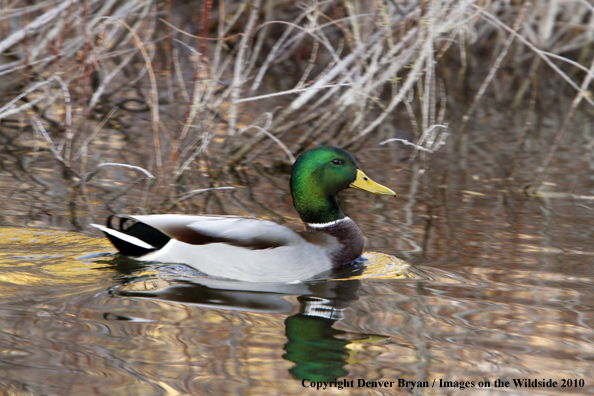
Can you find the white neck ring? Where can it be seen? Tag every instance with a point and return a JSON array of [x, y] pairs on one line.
[[328, 224]]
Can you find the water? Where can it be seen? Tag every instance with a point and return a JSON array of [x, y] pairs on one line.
[[471, 282], [497, 285]]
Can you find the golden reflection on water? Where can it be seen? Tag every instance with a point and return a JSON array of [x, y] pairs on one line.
[[37, 259]]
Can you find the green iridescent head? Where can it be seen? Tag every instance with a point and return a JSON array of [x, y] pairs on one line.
[[321, 173]]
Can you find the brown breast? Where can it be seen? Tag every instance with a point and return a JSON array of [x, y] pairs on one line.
[[343, 240]]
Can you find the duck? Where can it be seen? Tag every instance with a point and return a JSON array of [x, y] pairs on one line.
[[256, 250]]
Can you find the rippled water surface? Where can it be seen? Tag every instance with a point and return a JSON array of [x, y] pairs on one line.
[[497, 285]]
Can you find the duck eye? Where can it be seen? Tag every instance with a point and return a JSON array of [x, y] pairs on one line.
[[336, 161]]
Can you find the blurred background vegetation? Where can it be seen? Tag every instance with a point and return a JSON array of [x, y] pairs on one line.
[[151, 106]]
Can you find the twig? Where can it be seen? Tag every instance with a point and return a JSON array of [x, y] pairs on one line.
[[276, 140], [292, 91], [406, 142], [192, 193], [238, 71]]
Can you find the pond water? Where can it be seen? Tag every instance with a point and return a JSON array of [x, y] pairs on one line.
[[493, 288]]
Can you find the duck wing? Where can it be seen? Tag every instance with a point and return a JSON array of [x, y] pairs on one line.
[[154, 231], [238, 248]]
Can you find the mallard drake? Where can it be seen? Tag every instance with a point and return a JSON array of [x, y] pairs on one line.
[[250, 249]]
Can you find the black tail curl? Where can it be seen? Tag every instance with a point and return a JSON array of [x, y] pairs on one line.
[[139, 230]]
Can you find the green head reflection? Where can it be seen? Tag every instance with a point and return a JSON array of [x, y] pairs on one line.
[[312, 346]]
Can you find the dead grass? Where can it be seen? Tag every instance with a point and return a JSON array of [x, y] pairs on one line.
[[223, 83]]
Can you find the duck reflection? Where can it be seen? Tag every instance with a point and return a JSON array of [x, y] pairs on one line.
[[316, 348], [319, 351]]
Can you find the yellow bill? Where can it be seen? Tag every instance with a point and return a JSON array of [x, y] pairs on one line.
[[362, 182]]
